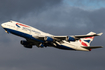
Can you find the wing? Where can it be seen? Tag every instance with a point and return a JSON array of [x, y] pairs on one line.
[[78, 36], [67, 38]]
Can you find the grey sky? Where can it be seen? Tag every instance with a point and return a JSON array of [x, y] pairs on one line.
[[56, 17]]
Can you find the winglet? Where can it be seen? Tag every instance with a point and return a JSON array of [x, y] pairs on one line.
[[99, 34]]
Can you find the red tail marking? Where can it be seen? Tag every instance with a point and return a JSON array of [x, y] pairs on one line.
[[89, 37], [83, 43]]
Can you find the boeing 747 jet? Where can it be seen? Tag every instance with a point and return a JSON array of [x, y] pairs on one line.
[[41, 39]]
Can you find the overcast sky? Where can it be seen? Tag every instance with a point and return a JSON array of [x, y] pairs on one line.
[[58, 17]]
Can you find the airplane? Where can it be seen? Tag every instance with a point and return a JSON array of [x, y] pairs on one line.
[[41, 39]]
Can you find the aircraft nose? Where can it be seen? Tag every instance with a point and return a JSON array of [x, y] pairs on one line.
[[2, 25]]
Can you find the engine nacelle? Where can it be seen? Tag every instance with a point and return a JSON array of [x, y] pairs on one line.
[[69, 38], [25, 44], [49, 39]]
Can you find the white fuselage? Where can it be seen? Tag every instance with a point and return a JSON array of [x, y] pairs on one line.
[[28, 31]]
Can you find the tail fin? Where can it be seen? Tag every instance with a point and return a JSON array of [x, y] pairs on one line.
[[86, 41]]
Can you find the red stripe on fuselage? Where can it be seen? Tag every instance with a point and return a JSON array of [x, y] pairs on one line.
[[22, 25]]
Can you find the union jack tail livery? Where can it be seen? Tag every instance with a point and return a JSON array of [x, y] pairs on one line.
[[86, 41]]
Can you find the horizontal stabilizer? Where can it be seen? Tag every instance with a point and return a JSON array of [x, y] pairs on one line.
[[93, 47], [99, 34]]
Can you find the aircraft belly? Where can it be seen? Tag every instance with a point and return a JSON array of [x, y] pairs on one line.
[[68, 46], [64, 46]]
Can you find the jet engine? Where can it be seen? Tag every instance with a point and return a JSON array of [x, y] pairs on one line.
[[49, 39], [25, 44], [69, 38]]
